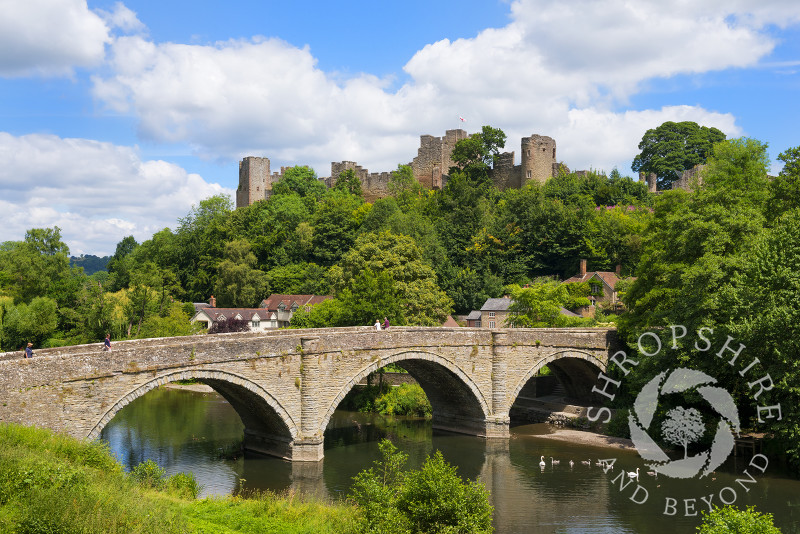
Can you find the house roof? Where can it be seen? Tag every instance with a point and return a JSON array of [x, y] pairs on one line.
[[607, 277], [273, 301], [450, 322], [568, 313], [216, 314], [474, 315], [500, 304]]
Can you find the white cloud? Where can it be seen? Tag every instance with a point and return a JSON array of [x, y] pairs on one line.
[[97, 193], [564, 69], [49, 37]]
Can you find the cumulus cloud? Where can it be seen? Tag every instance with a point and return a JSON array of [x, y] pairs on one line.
[[49, 37], [565, 69], [97, 193]]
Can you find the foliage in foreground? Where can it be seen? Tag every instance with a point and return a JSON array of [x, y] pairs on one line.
[[433, 499], [51, 483], [729, 520]]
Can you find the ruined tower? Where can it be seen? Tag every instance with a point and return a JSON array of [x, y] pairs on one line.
[[254, 181], [538, 158], [433, 160]]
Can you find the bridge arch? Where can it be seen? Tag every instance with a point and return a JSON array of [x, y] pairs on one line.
[[269, 427], [458, 403], [575, 369]]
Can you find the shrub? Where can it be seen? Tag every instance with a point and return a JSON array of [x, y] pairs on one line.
[[730, 520], [433, 499], [183, 485], [405, 399], [149, 475]]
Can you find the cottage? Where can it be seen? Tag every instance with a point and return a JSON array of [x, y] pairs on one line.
[[274, 311]]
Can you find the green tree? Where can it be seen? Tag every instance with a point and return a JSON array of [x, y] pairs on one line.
[[731, 520], [35, 322], [400, 273], [674, 147], [785, 188], [239, 283], [335, 224], [539, 305], [348, 182], [119, 264], [433, 499], [404, 187], [301, 180]]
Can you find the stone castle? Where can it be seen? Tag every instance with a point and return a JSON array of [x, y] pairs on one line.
[[430, 168]]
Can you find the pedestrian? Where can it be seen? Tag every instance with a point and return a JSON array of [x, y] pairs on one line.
[[29, 351], [377, 325], [386, 323], [107, 343]]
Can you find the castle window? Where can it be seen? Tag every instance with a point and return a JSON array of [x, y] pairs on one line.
[[529, 152], [554, 153], [529, 173]]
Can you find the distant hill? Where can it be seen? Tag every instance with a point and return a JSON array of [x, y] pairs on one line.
[[90, 263]]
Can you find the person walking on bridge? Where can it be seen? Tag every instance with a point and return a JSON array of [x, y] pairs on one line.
[[107, 343], [29, 351]]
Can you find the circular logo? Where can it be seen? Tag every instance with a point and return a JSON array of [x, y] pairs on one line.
[[683, 426]]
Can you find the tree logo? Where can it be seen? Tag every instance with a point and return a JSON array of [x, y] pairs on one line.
[[683, 426]]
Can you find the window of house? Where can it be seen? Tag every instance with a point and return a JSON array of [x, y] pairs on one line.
[[529, 173], [491, 324], [477, 324], [491, 314], [255, 323]]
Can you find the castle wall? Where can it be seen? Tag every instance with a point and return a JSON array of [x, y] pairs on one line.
[[430, 168], [505, 174]]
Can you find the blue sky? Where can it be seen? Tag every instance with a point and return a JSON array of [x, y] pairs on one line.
[[117, 117]]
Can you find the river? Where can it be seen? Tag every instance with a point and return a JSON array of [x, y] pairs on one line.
[[190, 431]]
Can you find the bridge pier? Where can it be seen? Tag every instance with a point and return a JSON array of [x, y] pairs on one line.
[[307, 450]]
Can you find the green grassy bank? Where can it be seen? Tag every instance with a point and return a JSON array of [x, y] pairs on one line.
[[54, 484]]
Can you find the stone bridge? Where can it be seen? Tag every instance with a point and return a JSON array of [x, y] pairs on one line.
[[286, 384]]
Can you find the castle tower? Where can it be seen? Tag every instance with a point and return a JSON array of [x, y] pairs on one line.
[[254, 181], [538, 158], [433, 161]]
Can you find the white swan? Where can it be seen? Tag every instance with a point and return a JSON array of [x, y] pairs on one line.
[[586, 462], [571, 463], [632, 474], [653, 473], [541, 462], [554, 462]]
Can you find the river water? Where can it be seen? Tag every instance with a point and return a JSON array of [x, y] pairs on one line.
[[190, 431]]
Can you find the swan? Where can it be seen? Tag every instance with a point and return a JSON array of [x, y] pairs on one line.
[[586, 462], [653, 473], [632, 474], [571, 463], [600, 463], [541, 462], [554, 462]]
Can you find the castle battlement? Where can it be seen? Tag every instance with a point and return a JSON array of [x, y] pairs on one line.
[[430, 167]]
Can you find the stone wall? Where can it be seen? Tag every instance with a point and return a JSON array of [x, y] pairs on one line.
[[286, 384]]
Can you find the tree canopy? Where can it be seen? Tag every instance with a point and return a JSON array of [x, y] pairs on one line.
[[674, 147]]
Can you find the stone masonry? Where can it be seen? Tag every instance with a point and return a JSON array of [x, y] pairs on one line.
[[430, 167], [286, 384]]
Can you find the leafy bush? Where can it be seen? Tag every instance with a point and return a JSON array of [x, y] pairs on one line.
[[618, 426], [433, 499], [405, 399], [729, 520], [149, 475], [183, 485]]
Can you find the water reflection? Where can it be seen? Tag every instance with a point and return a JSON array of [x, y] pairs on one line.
[[184, 430]]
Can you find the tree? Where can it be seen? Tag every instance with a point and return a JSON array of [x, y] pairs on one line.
[[301, 180], [404, 187], [682, 427], [431, 499], [239, 283], [348, 182], [538, 305], [399, 274], [731, 520], [674, 147], [475, 155]]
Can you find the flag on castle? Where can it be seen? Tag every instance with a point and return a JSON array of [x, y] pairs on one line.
[[462, 119]]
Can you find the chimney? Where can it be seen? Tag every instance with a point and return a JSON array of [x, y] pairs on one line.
[[582, 270], [618, 270], [212, 302]]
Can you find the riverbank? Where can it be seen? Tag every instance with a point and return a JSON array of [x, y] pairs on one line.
[[588, 438]]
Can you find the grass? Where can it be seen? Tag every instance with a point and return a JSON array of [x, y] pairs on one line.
[[50, 483]]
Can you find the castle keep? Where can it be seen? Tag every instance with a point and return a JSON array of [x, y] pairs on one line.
[[430, 167]]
